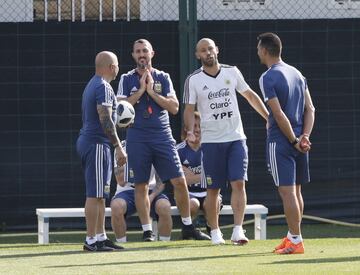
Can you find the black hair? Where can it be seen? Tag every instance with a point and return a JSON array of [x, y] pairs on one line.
[[271, 42]]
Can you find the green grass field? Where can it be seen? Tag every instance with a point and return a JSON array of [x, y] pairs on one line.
[[330, 249]]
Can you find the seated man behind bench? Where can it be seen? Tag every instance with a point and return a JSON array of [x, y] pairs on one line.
[[123, 205], [190, 158]]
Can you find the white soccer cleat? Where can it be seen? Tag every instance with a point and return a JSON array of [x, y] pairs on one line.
[[239, 238], [217, 238]]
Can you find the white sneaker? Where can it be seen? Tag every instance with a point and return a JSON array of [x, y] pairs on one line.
[[239, 238], [217, 237]]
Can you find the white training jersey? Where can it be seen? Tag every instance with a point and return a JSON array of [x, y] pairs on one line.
[[217, 104], [127, 174]]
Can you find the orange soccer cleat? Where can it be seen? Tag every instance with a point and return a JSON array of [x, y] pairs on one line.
[[282, 245], [291, 248]]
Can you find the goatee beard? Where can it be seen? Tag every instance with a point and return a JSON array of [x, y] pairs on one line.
[[142, 66], [210, 63]]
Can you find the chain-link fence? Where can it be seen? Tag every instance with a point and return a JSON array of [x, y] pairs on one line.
[[74, 10], [276, 9], [165, 10], [82, 10], [16, 11]]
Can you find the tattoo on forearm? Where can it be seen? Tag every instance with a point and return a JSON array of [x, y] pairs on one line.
[[107, 123]]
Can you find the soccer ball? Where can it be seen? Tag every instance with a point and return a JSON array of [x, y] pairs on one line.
[[125, 114]]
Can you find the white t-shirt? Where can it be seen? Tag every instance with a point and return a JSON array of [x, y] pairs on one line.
[[217, 104]]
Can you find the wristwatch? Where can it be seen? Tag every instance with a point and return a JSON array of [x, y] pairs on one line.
[[296, 141]]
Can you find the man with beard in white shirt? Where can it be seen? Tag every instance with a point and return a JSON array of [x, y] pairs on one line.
[[213, 89]]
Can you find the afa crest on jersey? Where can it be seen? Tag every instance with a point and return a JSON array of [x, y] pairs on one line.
[[131, 173], [107, 189], [157, 87]]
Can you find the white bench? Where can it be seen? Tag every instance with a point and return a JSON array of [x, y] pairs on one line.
[[44, 214]]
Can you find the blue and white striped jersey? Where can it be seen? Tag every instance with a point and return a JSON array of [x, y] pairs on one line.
[[148, 127], [192, 160], [97, 92], [287, 84]]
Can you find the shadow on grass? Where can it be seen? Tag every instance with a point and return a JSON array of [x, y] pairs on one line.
[[31, 255], [318, 260], [167, 260], [61, 253], [21, 245]]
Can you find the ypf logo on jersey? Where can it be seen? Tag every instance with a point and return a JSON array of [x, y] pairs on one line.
[[223, 115], [157, 87]]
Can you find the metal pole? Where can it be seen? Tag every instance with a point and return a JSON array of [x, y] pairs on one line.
[[100, 11], [193, 35], [128, 11], [59, 10], [183, 45], [114, 10], [73, 10], [46, 10], [82, 10]]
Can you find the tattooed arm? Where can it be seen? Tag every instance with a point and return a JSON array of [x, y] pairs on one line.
[[119, 175], [108, 124], [109, 128]]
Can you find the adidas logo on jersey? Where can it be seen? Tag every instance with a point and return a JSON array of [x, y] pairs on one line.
[[186, 162], [205, 88], [133, 90]]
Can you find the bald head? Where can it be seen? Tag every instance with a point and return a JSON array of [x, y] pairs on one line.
[[204, 42], [106, 65], [206, 52], [105, 59]]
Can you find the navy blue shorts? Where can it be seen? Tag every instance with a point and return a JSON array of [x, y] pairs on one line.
[[287, 165], [97, 165], [223, 163], [163, 156], [129, 197]]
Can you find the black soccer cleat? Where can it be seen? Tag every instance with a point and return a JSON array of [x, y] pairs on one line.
[[189, 232], [109, 243], [96, 247], [148, 236], [208, 229]]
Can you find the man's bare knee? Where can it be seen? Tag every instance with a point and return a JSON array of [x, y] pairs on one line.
[[163, 208], [194, 204], [178, 182], [287, 192], [118, 207]]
